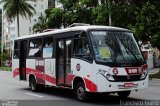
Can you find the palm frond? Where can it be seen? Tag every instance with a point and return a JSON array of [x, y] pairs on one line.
[[14, 8], [20, 7]]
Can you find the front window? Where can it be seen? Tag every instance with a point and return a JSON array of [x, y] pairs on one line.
[[117, 47]]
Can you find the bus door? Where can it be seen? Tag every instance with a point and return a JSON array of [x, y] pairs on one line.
[[22, 59], [63, 62]]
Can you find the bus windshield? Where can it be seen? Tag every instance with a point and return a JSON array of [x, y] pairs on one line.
[[117, 47]]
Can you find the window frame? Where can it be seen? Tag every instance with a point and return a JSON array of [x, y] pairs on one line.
[[53, 46], [16, 49], [34, 57], [88, 58]]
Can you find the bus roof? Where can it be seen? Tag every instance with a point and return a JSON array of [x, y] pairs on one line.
[[76, 28]]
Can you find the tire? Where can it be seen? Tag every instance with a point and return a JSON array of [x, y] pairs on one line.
[[80, 92], [33, 84], [124, 94]]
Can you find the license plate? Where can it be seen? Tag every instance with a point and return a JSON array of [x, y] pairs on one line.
[[128, 85]]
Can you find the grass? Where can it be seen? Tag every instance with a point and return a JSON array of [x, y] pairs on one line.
[[157, 75], [5, 68]]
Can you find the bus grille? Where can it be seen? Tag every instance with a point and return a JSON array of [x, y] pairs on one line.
[[125, 78]]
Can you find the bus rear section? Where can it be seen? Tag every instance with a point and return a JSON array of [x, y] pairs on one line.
[[88, 60]]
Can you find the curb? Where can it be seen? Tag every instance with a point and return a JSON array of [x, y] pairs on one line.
[[154, 79], [153, 71]]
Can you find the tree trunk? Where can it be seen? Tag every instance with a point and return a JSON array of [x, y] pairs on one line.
[[18, 24]]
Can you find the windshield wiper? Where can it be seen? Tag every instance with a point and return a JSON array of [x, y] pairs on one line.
[[133, 55], [127, 49]]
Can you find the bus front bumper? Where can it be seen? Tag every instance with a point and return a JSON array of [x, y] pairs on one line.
[[123, 86]]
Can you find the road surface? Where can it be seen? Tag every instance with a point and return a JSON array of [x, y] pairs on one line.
[[17, 92]]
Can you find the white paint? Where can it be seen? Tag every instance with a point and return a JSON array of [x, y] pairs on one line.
[[50, 70], [77, 28], [34, 95]]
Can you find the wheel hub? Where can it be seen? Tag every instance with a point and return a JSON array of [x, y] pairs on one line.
[[80, 92]]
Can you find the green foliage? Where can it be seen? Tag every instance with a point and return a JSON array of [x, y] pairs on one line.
[[147, 24], [157, 75], [41, 25], [0, 23], [100, 15], [4, 56], [55, 19], [141, 16], [77, 11], [17, 7], [90, 11], [5, 68]]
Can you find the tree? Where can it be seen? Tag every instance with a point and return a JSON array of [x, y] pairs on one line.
[[147, 22], [54, 17], [100, 15], [77, 11], [0, 24], [41, 25], [3, 56], [141, 16], [14, 8]]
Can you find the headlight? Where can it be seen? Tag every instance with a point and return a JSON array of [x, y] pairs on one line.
[[109, 77], [106, 74], [144, 74]]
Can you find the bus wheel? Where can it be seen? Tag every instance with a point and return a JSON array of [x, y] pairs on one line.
[[124, 94], [80, 92], [33, 84]]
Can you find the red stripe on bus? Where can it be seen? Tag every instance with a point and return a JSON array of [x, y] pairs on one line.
[[70, 78], [37, 74], [15, 72], [90, 85], [50, 79]]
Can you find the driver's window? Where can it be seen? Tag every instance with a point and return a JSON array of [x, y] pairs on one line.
[[81, 48]]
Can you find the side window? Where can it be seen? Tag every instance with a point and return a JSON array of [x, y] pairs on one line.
[[16, 50], [48, 47], [35, 48], [81, 47]]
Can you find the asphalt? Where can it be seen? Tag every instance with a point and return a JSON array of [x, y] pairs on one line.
[[18, 91]]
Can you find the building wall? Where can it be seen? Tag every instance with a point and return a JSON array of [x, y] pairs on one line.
[[9, 27], [26, 25], [58, 4], [6, 31], [148, 54]]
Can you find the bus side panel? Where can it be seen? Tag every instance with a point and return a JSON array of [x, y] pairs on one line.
[[50, 74], [85, 70], [101, 72], [15, 68], [36, 67], [30, 65]]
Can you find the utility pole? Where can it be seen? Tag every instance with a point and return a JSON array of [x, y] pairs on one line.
[[110, 16]]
